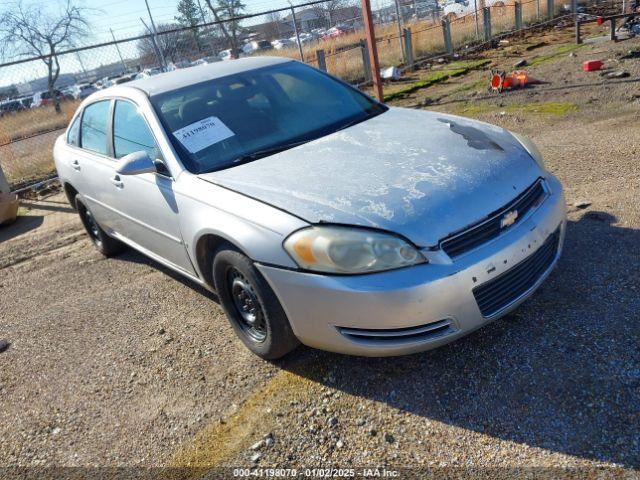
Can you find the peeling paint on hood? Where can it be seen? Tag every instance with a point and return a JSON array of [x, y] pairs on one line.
[[417, 173]]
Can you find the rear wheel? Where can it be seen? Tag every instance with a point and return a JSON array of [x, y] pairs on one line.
[[251, 306], [105, 244]]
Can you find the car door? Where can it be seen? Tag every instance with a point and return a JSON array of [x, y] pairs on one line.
[[145, 205]]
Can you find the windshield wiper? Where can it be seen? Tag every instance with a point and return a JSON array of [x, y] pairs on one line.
[[266, 152]]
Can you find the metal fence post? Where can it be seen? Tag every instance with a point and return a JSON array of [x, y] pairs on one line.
[[486, 20], [364, 50], [408, 48], [614, 38], [446, 32], [295, 28], [322, 61], [4, 185], [550, 9], [518, 10], [538, 10]]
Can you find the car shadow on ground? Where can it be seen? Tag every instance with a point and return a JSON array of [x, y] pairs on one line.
[[134, 256], [561, 373], [22, 224]]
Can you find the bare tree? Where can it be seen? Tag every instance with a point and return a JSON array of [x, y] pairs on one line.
[[225, 12], [175, 44], [31, 30], [326, 12], [271, 27]]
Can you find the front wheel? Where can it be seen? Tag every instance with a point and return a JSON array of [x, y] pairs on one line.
[[251, 306]]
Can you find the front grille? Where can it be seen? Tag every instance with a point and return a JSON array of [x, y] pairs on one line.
[[497, 294], [470, 238], [395, 335]]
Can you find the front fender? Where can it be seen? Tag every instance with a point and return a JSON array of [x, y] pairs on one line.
[[255, 228]]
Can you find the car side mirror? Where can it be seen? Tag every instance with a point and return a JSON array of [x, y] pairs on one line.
[[136, 163]]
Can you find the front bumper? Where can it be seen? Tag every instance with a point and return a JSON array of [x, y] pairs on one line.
[[412, 309]]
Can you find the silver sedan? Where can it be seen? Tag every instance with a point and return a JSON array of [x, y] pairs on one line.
[[316, 214]]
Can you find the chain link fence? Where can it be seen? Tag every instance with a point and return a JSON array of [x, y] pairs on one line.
[[408, 34]]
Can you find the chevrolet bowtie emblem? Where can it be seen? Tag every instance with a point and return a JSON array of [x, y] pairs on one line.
[[509, 219]]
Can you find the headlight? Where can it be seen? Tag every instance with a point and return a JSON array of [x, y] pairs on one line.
[[349, 250], [530, 147]]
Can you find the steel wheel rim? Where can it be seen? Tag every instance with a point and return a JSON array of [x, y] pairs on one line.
[[92, 227], [247, 306]]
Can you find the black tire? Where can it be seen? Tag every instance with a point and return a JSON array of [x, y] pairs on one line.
[[105, 244], [251, 306]]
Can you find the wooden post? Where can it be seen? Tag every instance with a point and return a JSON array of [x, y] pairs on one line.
[[367, 18], [322, 61]]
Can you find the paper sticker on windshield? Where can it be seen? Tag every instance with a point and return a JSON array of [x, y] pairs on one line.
[[203, 134]]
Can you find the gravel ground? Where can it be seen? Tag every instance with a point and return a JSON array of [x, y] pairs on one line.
[[119, 362]]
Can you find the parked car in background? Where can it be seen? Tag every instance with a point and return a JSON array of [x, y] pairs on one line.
[[459, 8], [283, 43], [11, 105], [149, 72], [205, 60], [317, 214], [256, 46], [40, 99], [225, 55], [305, 38], [336, 32], [80, 91]]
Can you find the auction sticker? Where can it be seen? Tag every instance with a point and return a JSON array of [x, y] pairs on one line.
[[203, 134]]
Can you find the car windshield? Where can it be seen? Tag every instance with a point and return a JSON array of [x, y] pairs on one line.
[[242, 117]]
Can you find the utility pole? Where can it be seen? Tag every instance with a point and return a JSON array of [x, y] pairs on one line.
[[124, 65], [295, 28], [475, 14], [367, 18], [155, 34], [156, 48], [399, 22]]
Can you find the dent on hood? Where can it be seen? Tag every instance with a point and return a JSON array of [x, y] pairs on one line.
[[475, 137]]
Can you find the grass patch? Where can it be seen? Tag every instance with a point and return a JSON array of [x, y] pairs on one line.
[[562, 50], [455, 69], [544, 108], [539, 108]]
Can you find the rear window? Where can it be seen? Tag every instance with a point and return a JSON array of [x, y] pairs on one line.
[[72, 134]]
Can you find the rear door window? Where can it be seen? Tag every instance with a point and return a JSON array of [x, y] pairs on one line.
[[93, 130]]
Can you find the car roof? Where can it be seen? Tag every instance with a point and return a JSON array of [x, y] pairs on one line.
[[166, 82]]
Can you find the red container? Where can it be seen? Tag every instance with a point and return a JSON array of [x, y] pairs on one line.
[[592, 65]]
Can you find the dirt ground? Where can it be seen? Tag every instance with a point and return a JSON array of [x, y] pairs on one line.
[[119, 362]]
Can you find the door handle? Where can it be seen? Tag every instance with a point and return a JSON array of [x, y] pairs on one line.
[[117, 182], [75, 165]]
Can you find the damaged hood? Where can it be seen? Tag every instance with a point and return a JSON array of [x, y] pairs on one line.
[[421, 174]]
